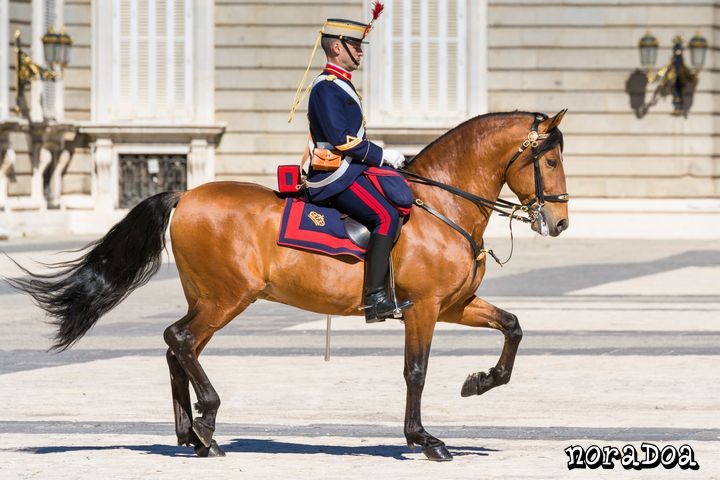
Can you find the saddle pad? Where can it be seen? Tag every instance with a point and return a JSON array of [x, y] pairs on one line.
[[319, 229]]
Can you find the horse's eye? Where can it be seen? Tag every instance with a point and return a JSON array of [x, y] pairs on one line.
[[551, 163]]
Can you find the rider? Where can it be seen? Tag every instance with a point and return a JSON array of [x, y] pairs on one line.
[[337, 123]]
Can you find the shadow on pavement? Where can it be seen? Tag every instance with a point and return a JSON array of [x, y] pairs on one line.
[[558, 281], [251, 445], [156, 449]]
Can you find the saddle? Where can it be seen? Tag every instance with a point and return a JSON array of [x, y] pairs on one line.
[[322, 229]]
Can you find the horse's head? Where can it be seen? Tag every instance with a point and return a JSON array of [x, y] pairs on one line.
[[537, 177]]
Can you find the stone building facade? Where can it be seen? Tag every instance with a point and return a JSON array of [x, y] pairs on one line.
[[202, 88]]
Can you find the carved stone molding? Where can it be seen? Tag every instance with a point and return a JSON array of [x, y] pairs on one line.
[[108, 141]]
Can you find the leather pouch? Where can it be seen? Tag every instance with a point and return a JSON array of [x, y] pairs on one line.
[[325, 160], [288, 177]]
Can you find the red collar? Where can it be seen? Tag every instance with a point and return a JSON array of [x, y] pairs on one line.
[[338, 72]]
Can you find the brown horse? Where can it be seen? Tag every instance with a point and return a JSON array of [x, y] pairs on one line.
[[224, 240]]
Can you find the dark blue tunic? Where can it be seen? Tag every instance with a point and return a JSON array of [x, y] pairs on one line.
[[335, 118]]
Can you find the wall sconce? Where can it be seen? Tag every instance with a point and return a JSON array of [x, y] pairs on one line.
[[56, 47], [675, 77]]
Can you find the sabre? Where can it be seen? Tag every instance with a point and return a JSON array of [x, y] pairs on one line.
[[328, 325]]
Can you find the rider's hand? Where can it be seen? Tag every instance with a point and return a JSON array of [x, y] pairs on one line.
[[393, 158]]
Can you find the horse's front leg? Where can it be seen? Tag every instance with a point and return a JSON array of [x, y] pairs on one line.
[[479, 313], [419, 326]]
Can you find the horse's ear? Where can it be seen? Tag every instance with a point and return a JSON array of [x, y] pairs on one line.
[[553, 122]]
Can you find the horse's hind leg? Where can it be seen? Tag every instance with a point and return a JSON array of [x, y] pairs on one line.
[[186, 338], [182, 408], [479, 313]]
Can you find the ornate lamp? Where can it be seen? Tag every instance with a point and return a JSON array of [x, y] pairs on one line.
[[56, 48], [648, 50], [698, 48], [675, 77]]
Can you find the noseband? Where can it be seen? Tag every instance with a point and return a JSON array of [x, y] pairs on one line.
[[537, 202]]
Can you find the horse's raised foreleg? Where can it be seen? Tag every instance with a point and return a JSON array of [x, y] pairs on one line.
[[419, 326], [479, 313], [186, 338]]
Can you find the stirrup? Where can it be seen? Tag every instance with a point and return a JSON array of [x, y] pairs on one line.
[[393, 309]]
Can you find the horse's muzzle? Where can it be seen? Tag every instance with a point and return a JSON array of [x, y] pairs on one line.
[[562, 225], [545, 224]]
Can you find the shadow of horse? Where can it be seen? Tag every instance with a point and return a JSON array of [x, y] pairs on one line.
[[254, 445], [155, 449]]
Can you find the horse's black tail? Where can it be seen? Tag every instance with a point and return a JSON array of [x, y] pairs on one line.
[[81, 291]]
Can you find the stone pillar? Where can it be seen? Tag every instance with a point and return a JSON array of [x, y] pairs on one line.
[[56, 179], [210, 164], [197, 165], [42, 160], [7, 163], [105, 176]]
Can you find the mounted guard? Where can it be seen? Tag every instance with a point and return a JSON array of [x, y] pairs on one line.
[[340, 172], [226, 242]]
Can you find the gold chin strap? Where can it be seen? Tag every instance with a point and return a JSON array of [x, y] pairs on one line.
[[298, 97]]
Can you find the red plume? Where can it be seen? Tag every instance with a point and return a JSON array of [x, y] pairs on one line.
[[377, 9]]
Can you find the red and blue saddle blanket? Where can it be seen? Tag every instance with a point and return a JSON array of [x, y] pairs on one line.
[[316, 228], [321, 229]]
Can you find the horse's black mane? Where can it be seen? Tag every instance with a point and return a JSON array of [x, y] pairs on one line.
[[549, 143]]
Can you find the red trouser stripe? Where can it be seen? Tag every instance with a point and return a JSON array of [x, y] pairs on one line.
[[376, 207]]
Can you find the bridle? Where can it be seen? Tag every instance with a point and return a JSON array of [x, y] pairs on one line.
[[532, 141], [505, 208]]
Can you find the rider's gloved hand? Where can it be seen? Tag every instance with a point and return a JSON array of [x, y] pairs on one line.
[[393, 158]]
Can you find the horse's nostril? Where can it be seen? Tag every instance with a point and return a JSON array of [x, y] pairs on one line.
[[562, 225]]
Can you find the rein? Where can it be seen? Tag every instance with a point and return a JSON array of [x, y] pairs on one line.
[[502, 207]]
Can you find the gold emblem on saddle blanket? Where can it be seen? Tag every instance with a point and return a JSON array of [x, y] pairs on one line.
[[317, 218]]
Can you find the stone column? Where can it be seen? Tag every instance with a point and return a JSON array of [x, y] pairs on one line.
[[56, 178], [43, 159], [7, 163], [197, 163], [105, 176]]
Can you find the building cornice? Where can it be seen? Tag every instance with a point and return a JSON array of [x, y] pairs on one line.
[[149, 133]]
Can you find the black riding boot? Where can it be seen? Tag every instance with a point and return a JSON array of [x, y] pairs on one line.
[[378, 306]]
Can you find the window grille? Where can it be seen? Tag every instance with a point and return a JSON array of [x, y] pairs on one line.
[[145, 175]]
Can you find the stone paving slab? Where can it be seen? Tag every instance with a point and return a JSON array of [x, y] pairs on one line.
[[545, 391]]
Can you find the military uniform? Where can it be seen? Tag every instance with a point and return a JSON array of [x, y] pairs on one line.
[[337, 123]]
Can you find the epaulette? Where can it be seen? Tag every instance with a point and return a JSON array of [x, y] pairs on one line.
[[331, 78]]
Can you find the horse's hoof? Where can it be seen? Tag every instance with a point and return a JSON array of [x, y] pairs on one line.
[[437, 453], [470, 387], [203, 431], [479, 383], [213, 450], [188, 439]]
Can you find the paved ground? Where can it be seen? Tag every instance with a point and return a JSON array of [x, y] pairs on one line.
[[622, 346]]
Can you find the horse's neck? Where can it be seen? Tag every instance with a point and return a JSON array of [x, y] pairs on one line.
[[471, 158]]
